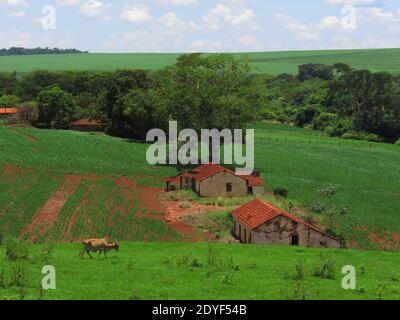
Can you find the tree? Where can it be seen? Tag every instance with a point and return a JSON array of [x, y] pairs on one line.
[[28, 113], [9, 101], [329, 208], [312, 70], [56, 107]]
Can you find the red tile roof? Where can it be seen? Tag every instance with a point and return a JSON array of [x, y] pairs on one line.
[[206, 171], [86, 122], [8, 110], [258, 212]]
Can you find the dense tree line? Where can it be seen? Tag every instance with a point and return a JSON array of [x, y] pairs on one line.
[[18, 51], [212, 92]]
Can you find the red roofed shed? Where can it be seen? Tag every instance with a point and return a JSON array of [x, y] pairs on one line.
[[259, 222]]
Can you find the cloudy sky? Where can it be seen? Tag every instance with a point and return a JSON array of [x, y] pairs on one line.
[[200, 25]]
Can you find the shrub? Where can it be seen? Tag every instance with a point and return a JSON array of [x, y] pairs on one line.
[[306, 115], [326, 268], [28, 113], [281, 192], [398, 142], [16, 249], [322, 121], [358, 135], [340, 127]]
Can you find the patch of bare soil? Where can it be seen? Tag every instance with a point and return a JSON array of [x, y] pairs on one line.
[[177, 211], [388, 241], [45, 218]]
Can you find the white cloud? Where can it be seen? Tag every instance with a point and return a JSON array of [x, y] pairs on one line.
[[176, 2], [17, 14], [94, 9], [353, 2], [302, 30], [15, 3], [68, 2], [330, 23], [136, 13], [222, 14]]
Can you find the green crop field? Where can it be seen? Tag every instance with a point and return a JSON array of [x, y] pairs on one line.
[[262, 62], [200, 271], [38, 163]]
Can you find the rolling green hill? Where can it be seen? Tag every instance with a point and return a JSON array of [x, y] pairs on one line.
[[263, 62], [37, 163]]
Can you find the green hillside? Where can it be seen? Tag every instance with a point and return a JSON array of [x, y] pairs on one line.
[[37, 163], [263, 62], [201, 271]]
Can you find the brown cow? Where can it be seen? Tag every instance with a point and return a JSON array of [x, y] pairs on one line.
[[98, 245]]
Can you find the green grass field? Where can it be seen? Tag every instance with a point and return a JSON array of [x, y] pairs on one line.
[[200, 271], [35, 162], [263, 62]]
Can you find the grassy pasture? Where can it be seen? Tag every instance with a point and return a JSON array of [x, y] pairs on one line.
[[200, 271], [262, 62]]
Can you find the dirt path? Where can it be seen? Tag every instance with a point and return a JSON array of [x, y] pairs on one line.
[[175, 211], [28, 136], [46, 217]]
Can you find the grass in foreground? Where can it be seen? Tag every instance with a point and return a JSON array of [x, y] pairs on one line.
[[201, 271]]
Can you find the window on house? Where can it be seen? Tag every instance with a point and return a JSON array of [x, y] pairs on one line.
[[250, 190], [229, 187]]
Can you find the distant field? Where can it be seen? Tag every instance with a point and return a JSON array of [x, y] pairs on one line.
[[263, 62], [36, 164], [199, 271]]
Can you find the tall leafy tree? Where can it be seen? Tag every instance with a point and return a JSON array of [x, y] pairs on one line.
[[56, 107]]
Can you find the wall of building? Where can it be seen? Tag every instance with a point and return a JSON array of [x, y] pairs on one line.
[[258, 190], [216, 186], [281, 230]]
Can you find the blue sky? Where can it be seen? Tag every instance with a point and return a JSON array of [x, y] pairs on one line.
[[201, 25]]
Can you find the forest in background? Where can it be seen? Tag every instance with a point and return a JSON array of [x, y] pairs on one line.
[[212, 91]]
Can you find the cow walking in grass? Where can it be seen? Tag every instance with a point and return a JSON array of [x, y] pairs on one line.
[[98, 245]]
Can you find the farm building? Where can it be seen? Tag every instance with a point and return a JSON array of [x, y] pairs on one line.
[[258, 222], [87, 125], [7, 113], [211, 180]]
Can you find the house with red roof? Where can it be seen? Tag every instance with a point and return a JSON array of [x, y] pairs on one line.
[[258, 222], [87, 125], [212, 180], [6, 113]]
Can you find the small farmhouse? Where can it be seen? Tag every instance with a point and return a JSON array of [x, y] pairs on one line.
[[212, 180], [86, 125], [258, 222], [7, 113]]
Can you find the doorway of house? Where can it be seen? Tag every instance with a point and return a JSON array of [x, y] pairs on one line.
[[295, 241]]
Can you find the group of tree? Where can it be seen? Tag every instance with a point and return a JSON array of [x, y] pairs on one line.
[[216, 91], [18, 51]]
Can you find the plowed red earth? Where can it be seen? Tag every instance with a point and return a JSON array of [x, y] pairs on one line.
[[174, 213], [45, 218], [387, 241]]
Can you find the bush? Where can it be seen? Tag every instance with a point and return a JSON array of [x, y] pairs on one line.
[[398, 142], [28, 113], [16, 249], [340, 127], [324, 120], [281, 192], [359, 135], [326, 268], [306, 115]]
